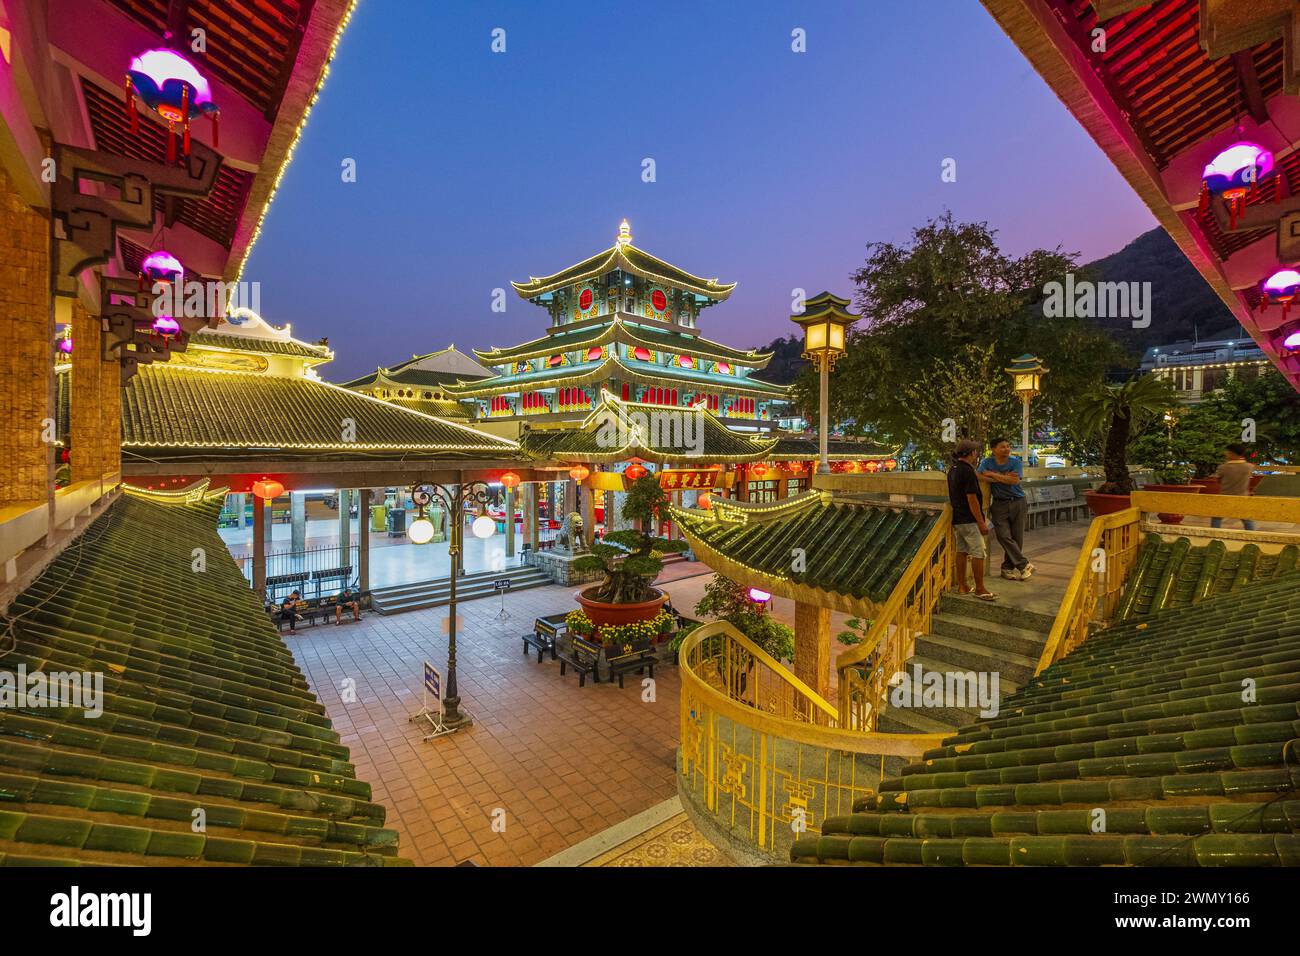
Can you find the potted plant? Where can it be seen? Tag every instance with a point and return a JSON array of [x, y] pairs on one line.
[[1119, 412], [630, 561]]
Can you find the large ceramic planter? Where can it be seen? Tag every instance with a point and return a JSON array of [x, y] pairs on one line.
[[603, 614], [1209, 486], [1174, 489], [1255, 480], [1100, 504]]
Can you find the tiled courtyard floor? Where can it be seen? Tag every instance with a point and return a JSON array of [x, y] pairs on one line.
[[550, 762]]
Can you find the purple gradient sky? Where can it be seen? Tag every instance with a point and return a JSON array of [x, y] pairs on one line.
[[774, 168]]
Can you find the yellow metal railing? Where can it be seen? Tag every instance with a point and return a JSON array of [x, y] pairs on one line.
[[1106, 557], [866, 669], [733, 665], [762, 756], [1110, 551]]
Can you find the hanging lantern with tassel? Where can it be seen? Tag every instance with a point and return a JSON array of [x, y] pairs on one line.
[[635, 471], [161, 266], [1281, 288], [1234, 174], [172, 87]]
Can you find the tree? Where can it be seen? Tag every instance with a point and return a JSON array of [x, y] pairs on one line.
[[967, 397], [726, 600], [1271, 405], [630, 559], [1115, 411], [1191, 444], [926, 306]]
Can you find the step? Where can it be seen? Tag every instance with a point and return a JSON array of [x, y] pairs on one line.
[[438, 597], [957, 716], [477, 577], [999, 612], [965, 655], [901, 720], [1001, 637]]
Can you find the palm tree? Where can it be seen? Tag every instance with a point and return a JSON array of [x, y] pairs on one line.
[[1115, 410]]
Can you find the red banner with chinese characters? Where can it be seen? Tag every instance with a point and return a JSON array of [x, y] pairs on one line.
[[691, 479]]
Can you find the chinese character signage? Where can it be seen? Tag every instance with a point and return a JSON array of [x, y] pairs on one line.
[[691, 479]]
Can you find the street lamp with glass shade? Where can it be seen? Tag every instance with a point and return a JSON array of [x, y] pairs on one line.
[[453, 499], [1026, 379], [825, 321]]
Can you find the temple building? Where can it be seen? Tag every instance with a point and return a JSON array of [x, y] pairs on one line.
[[623, 344], [419, 383]]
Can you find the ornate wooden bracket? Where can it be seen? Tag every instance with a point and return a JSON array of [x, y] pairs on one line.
[[95, 194]]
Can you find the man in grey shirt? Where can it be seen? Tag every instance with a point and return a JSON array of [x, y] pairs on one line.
[[1234, 479]]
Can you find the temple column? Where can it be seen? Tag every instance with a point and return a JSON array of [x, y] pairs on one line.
[[510, 524], [534, 528], [812, 646], [297, 521], [588, 515], [259, 544], [240, 501], [363, 539], [345, 527], [570, 496], [268, 523]]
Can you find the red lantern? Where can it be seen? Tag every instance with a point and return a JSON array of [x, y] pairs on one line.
[[758, 469], [579, 472], [267, 488], [705, 501], [891, 464], [510, 480], [635, 471]]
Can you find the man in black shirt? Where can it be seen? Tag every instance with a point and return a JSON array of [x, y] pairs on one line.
[[968, 525]]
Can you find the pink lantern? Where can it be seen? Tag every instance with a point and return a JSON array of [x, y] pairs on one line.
[[1291, 340], [172, 87], [65, 345], [1281, 288], [161, 266], [1233, 174], [759, 596], [166, 326]]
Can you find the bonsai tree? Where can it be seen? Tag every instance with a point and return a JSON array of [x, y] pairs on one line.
[[1190, 446], [630, 559], [728, 601], [1120, 412]]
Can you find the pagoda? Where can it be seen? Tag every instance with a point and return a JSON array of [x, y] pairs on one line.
[[623, 322]]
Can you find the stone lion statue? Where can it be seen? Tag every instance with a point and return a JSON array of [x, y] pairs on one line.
[[571, 537]]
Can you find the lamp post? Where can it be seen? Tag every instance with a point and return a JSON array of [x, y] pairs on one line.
[[421, 531], [825, 320], [1026, 378]]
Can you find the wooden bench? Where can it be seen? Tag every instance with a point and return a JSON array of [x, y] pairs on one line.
[[287, 583], [636, 659], [545, 635], [584, 657]]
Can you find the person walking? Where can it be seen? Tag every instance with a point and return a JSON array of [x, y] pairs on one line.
[[1234, 479], [1004, 472], [968, 525]]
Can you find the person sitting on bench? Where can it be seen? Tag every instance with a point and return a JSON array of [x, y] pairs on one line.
[[289, 611], [347, 598]]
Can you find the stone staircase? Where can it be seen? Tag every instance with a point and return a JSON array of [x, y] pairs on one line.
[[469, 587], [967, 635]]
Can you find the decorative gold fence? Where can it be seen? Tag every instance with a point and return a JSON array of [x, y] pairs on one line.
[[763, 758], [865, 669], [1106, 557]]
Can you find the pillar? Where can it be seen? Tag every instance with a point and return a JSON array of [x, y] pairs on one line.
[[240, 502], [297, 521], [26, 346], [267, 523], [259, 545], [570, 496], [534, 527], [94, 403], [588, 515], [345, 527], [510, 524], [812, 646], [363, 539]]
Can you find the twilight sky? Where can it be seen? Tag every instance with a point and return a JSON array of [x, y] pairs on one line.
[[773, 168]]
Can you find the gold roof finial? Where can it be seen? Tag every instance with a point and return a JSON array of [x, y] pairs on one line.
[[624, 234]]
